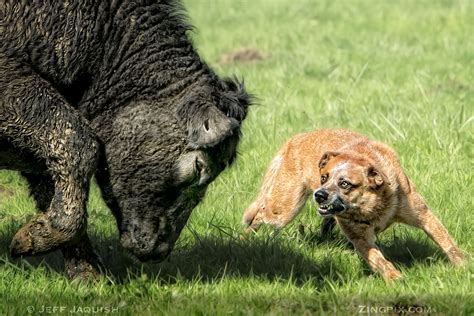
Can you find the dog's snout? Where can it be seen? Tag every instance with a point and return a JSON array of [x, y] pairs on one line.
[[321, 195]]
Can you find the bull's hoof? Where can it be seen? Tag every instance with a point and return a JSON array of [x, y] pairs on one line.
[[38, 236], [81, 261], [83, 269], [21, 245]]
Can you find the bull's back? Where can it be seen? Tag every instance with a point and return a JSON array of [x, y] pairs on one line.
[[55, 37]]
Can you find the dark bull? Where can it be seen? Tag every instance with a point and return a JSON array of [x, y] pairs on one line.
[[115, 89]]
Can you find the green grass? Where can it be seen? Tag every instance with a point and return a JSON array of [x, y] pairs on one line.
[[398, 71]]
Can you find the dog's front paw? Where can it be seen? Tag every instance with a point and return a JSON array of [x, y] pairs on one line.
[[39, 236], [457, 257], [392, 275]]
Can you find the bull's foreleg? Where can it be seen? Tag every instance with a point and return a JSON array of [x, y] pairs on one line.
[[35, 117], [80, 259], [41, 189]]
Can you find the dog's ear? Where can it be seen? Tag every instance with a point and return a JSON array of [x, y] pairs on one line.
[[376, 177], [326, 157]]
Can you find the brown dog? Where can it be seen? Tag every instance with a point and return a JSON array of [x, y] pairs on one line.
[[355, 180]]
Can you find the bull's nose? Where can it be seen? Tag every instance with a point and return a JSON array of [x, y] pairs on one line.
[[320, 195], [146, 250]]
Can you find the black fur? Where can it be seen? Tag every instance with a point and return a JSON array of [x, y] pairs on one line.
[[113, 88]]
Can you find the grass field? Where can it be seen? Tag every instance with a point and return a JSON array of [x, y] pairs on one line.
[[399, 71]]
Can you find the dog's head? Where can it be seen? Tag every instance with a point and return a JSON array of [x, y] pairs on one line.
[[349, 183]]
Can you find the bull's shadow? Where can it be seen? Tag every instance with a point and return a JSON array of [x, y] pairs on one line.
[[198, 258], [213, 257]]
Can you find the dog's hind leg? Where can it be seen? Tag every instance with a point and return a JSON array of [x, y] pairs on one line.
[[252, 218], [35, 117], [280, 199], [254, 215]]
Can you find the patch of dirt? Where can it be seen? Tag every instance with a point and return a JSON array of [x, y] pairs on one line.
[[244, 56], [454, 85], [6, 192]]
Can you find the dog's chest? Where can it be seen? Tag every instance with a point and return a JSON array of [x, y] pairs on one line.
[[383, 222]]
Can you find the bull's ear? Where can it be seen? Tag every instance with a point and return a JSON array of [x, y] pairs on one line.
[[326, 157], [376, 177], [209, 126]]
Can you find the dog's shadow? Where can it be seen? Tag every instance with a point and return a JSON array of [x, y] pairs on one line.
[[211, 258], [403, 249]]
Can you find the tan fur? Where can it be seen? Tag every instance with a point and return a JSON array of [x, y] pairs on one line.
[[379, 192]]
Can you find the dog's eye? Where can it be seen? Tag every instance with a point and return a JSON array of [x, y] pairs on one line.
[[324, 178], [344, 184]]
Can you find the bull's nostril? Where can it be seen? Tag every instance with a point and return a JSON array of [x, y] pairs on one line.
[[320, 196]]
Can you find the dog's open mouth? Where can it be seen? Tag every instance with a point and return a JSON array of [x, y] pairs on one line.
[[330, 209], [324, 210]]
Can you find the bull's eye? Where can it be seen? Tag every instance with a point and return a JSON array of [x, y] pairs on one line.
[[206, 125], [324, 178], [345, 185], [198, 164]]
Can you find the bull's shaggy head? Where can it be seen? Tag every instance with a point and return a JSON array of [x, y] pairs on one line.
[[160, 156]]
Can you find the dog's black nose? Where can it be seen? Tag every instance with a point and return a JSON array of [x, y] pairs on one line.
[[321, 195]]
